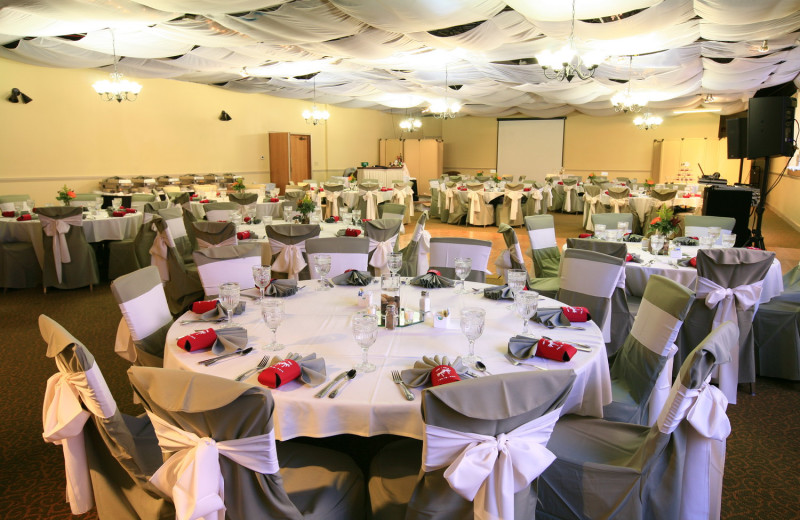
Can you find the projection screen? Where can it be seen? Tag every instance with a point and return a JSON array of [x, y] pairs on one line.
[[530, 147]]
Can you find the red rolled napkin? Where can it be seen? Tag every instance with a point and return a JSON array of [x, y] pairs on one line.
[[576, 313], [335, 218], [118, 213], [198, 340], [203, 306], [247, 219], [26, 216], [243, 235], [280, 373], [434, 271], [193, 196], [693, 262], [217, 194], [607, 193], [561, 183], [130, 210], [748, 247], [555, 350], [274, 199], [697, 195], [585, 235], [526, 189], [352, 232], [321, 190], [8, 213], [204, 201], [630, 194], [628, 257], [444, 374], [687, 196]]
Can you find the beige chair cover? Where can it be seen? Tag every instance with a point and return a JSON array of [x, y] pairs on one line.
[[287, 248], [591, 205], [510, 211], [214, 234], [479, 212], [382, 235], [69, 260], [333, 198]]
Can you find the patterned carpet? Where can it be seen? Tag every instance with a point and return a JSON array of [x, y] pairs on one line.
[[761, 477]]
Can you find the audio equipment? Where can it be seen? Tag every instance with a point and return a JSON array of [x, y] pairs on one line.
[[737, 137], [730, 201], [770, 126]]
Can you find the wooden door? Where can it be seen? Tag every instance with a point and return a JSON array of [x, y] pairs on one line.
[[279, 159], [300, 151]]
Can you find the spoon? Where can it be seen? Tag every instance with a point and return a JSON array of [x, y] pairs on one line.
[[350, 375], [517, 363], [481, 367]]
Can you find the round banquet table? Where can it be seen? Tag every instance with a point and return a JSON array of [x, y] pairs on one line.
[[319, 322]]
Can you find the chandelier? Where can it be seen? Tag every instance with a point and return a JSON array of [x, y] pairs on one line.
[[647, 121], [442, 109], [566, 63], [410, 123], [117, 88], [315, 116], [627, 101]]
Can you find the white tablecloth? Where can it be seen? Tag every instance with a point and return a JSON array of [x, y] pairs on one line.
[[96, 230], [372, 404]]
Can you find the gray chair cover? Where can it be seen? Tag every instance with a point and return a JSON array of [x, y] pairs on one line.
[[174, 218], [448, 270], [618, 198], [311, 483], [339, 245], [459, 206], [643, 358], [545, 253], [389, 210], [121, 450], [289, 234], [415, 254], [512, 257], [479, 213], [182, 284], [399, 485], [612, 219], [572, 203], [379, 232], [662, 197], [435, 194], [668, 471], [81, 270], [243, 199], [512, 200], [333, 199], [126, 256], [444, 211], [227, 207], [214, 234], [231, 263], [144, 308], [776, 331], [19, 267]]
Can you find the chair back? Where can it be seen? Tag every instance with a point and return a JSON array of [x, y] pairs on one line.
[[175, 219], [214, 234], [346, 253], [544, 248], [69, 260], [415, 254], [467, 422], [293, 197], [220, 211], [511, 257], [243, 199], [217, 265], [382, 235], [141, 299], [181, 286], [663, 195], [287, 245], [612, 219], [615, 249], [697, 226], [445, 250]]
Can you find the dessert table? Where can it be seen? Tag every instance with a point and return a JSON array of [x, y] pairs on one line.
[[320, 322]]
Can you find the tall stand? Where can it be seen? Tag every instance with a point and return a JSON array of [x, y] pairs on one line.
[[741, 166], [756, 238]]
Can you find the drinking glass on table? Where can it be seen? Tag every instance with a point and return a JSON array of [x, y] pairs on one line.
[[261, 276], [656, 244], [365, 332], [322, 266], [344, 216], [472, 322], [623, 229], [356, 216], [526, 303], [395, 263], [229, 299], [728, 240], [463, 266], [714, 233], [516, 282], [272, 313], [600, 231]]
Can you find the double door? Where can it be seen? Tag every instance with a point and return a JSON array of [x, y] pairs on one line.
[[289, 158]]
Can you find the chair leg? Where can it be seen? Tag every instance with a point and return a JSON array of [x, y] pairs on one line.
[[753, 388], [45, 289]]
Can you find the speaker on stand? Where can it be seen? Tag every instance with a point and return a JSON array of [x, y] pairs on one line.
[[736, 130]]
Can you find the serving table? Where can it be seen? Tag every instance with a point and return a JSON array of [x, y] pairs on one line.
[[320, 322]]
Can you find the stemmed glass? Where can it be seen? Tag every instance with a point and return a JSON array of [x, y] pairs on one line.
[[472, 321], [272, 313], [365, 332], [713, 233], [656, 243], [229, 298], [526, 303], [463, 267], [261, 276], [356, 217], [516, 279], [322, 266], [395, 263]]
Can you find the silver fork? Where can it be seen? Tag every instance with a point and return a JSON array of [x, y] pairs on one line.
[[186, 322], [261, 365], [397, 379]]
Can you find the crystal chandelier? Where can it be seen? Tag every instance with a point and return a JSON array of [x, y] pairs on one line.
[[566, 63], [627, 101], [647, 121], [442, 109], [410, 123], [117, 88], [315, 116]]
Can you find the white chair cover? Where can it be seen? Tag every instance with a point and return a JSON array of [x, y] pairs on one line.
[[590, 205], [371, 198], [58, 229], [568, 189], [514, 196], [290, 257]]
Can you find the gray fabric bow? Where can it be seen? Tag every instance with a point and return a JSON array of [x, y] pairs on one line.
[[219, 312], [686, 241], [421, 373], [281, 288], [551, 317], [312, 368], [353, 277], [632, 237], [431, 281], [501, 292], [229, 339]]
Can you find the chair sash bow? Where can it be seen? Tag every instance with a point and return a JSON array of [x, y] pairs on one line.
[[704, 408], [490, 470], [513, 198], [568, 189], [192, 478], [380, 257], [290, 257], [448, 198], [618, 203], [371, 198], [590, 205], [547, 194], [58, 229], [536, 195], [475, 204], [159, 252], [230, 241], [333, 202]]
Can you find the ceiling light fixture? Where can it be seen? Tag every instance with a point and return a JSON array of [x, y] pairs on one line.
[[566, 63], [442, 109], [764, 46], [709, 98], [315, 116], [626, 101], [118, 88], [410, 123], [647, 121]]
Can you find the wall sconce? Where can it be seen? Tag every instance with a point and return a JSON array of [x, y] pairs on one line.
[[17, 96], [224, 116]]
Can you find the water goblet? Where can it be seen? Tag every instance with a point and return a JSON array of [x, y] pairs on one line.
[[345, 216], [526, 303], [322, 266], [623, 229], [728, 240], [516, 279], [656, 243], [395, 263], [365, 332], [287, 212], [600, 231], [463, 266], [272, 314], [229, 298], [261, 276], [356, 216], [472, 322], [714, 233]]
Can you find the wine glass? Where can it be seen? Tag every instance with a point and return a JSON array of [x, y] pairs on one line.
[[463, 267], [526, 303], [395, 263], [516, 279], [272, 313], [356, 217], [714, 233], [656, 243], [365, 332], [261, 276], [623, 229], [322, 266], [229, 298], [472, 321]]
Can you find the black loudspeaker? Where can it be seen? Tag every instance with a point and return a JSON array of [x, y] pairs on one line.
[[721, 201], [737, 137], [770, 127]]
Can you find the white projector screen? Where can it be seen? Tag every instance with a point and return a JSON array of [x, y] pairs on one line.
[[533, 148]]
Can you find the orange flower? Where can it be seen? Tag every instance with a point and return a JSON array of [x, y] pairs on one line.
[[71, 194], [655, 221]]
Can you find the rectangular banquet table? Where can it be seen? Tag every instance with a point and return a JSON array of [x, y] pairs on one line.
[[320, 322]]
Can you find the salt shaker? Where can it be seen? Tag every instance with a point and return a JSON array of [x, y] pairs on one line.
[[424, 303], [391, 317]]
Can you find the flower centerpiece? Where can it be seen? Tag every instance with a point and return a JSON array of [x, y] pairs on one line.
[[495, 178], [65, 195], [665, 223], [650, 183], [305, 206], [239, 186]]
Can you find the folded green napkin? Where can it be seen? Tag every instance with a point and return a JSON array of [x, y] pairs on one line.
[[312, 368], [686, 241], [632, 237], [353, 277], [431, 281], [219, 312], [421, 373], [281, 288], [501, 292], [229, 339], [551, 317]]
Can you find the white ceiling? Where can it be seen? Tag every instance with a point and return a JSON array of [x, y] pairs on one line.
[[392, 54]]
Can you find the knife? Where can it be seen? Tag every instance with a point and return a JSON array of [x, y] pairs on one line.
[[237, 352], [327, 387]]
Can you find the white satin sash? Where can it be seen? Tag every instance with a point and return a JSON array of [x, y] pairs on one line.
[[58, 229], [536, 195], [333, 202], [448, 198], [192, 477], [290, 257], [475, 204], [547, 194], [490, 470], [371, 198], [590, 205], [382, 250], [230, 241], [618, 203], [513, 198], [159, 253], [568, 188]]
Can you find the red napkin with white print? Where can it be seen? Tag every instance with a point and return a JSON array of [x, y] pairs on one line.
[[204, 306], [198, 340], [280, 373], [576, 313], [555, 350]]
